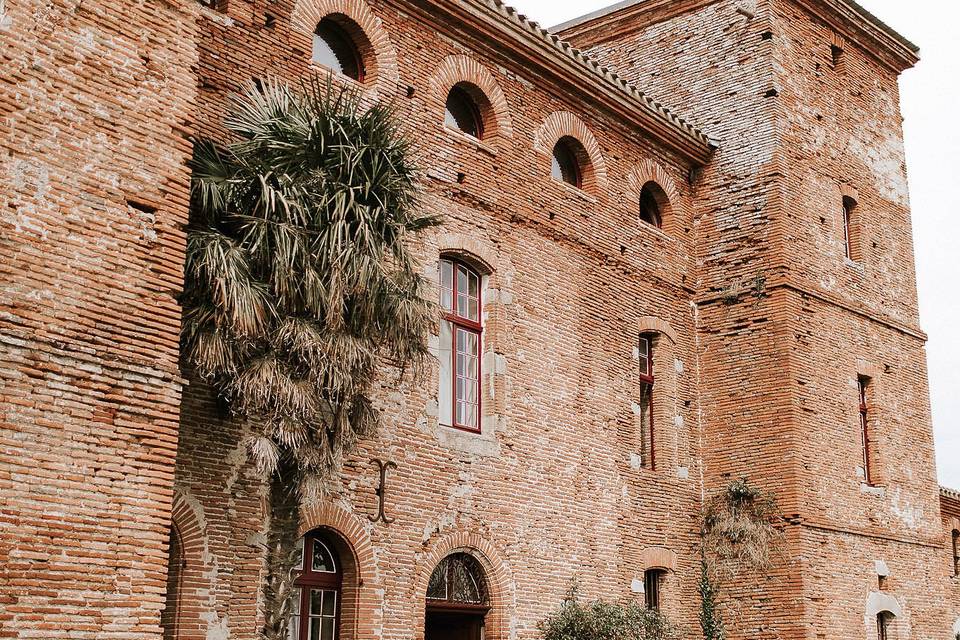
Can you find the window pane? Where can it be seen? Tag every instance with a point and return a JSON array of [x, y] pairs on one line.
[[295, 601], [322, 558], [463, 306], [316, 601], [315, 628], [298, 561], [473, 289], [293, 628], [328, 629], [461, 112], [446, 299], [446, 274], [473, 310], [437, 589], [445, 358], [329, 603]]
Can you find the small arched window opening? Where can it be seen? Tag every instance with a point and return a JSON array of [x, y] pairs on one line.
[[645, 347], [850, 230], [315, 598], [457, 600], [460, 341], [652, 587], [651, 196], [335, 47], [955, 537], [885, 625], [568, 161], [462, 111]]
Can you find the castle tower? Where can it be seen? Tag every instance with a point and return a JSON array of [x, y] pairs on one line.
[[813, 377]]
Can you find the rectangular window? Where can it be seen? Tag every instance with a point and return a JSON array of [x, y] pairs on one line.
[[865, 445], [323, 615], [645, 353], [460, 344], [651, 588]]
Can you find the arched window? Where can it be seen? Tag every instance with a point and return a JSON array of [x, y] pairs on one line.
[[652, 583], [567, 163], [956, 552], [336, 49], [457, 600], [176, 562], [462, 111], [884, 625], [849, 228], [645, 356], [315, 599], [460, 334], [650, 205]]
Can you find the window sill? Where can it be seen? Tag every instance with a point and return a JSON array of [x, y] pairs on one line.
[[646, 227], [873, 489], [337, 77], [466, 138], [577, 191]]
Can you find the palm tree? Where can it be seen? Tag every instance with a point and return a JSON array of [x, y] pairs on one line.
[[300, 285]]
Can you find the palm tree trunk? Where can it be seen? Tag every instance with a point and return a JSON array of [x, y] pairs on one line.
[[283, 549]]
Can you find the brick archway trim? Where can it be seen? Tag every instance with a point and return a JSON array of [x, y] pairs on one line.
[[659, 558], [849, 191], [563, 123], [350, 527], [482, 253], [383, 74], [194, 596], [648, 170], [652, 324], [460, 68], [498, 578]]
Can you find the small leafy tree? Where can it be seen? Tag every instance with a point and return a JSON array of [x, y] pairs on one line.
[[601, 620], [300, 286]]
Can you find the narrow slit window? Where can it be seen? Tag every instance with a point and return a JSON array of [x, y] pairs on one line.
[[645, 357], [849, 228], [956, 552], [865, 444]]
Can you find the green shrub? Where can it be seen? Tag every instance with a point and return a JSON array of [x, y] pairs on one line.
[[601, 620]]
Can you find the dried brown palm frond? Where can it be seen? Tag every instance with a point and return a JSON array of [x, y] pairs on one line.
[[741, 529]]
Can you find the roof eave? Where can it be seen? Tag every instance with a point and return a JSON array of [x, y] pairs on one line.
[[566, 63]]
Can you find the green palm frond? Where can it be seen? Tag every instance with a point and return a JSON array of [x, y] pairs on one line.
[[301, 286]]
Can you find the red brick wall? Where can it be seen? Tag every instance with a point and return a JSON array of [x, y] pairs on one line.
[[548, 492], [950, 512], [96, 98]]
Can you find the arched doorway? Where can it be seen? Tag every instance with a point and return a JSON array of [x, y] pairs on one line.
[[315, 603], [457, 599]]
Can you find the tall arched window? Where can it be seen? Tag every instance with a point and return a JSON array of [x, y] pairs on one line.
[[457, 600], [315, 600], [645, 356], [335, 48], [460, 342]]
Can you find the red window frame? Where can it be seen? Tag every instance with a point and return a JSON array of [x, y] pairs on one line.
[[460, 321], [307, 579], [645, 350], [864, 427]]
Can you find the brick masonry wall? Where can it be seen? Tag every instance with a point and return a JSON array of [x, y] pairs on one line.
[[950, 512], [96, 98], [780, 359], [550, 491]]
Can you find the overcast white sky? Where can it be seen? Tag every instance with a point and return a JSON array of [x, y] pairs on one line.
[[931, 106]]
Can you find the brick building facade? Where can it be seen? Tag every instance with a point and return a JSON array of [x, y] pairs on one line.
[[767, 294]]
